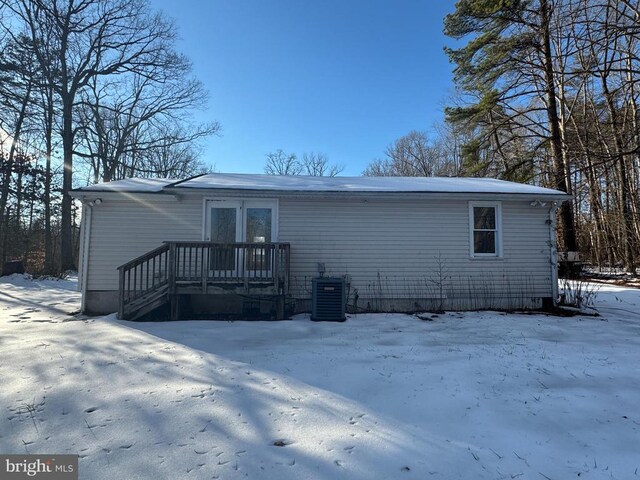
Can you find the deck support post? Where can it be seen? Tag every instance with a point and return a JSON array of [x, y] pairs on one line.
[[121, 294], [204, 268], [280, 307], [174, 302], [172, 268]]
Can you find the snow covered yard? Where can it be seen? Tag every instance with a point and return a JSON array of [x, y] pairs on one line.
[[464, 395]]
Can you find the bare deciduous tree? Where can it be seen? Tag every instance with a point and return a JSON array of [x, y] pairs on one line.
[[135, 113], [281, 163], [318, 165], [414, 155], [312, 164], [102, 80], [89, 39]]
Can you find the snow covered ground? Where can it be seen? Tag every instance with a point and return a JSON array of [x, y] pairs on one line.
[[463, 395]]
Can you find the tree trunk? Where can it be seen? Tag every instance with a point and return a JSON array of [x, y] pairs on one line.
[[635, 158], [558, 153], [6, 180], [626, 219], [66, 234], [48, 236]]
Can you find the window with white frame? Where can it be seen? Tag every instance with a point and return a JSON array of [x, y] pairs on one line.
[[485, 220]]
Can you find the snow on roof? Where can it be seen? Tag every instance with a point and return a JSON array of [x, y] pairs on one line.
[[301, 183], [142, 185]]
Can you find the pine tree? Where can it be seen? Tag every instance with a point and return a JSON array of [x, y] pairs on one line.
[[507, 77]]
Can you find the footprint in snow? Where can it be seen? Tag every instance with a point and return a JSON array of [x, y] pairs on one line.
[[282, 442]]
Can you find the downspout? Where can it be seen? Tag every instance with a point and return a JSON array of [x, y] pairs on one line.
[[85, 234], [553, 253]]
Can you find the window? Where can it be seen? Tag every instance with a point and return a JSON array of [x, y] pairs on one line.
[[484, 227]]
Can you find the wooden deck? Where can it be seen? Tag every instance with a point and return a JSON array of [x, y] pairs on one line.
[[202, 268]]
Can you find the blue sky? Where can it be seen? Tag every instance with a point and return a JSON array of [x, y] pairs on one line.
[[345, 78]]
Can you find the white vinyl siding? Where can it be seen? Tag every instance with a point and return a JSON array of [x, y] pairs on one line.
[[393, 248], [122, 230], [396, 248]]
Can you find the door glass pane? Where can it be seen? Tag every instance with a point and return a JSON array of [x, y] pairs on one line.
[[223, 230], [223, 225], [259, 225], [258, 231]]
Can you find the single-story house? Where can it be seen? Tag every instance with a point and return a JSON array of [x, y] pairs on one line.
[[399, 243]]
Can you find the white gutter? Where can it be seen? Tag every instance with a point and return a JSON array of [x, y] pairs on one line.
[[85, 235], [553, 258]]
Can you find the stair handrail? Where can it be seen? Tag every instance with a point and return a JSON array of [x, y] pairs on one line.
[[148, 272]]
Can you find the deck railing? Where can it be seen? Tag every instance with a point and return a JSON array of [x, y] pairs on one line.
[[230, 262], [199, 265]]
